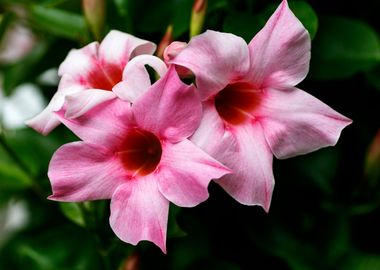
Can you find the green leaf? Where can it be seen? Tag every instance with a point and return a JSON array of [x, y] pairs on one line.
[[246, 24], [11, 177], [20, 72], [73, 212], [59, 22], [373, 77], [242, 24], [362, 261], [306, 15], [342, 48], [173, 228]]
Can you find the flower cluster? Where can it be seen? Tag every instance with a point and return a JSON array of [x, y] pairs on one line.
[[147, 144]]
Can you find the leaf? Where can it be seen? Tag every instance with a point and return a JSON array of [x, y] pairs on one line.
[[73, 212], [173, 228], [306, 15], [246, 24], [19, 72], [342, 48], [242, 24], [59, 22], [11, 177]]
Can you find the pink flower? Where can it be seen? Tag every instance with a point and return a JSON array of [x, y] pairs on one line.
[[252, 109], [99, 68], [139, 156]]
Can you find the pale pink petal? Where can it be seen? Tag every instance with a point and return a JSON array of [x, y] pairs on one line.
[[80, 103], [118, 47], [170, 109], [47, 120], [280, 52], [211, 130], [185, 172], [248, 155], [79, 62], [140, 212], [136, 78], [79, 172], [297, 123], [216, 59], [104, 124]]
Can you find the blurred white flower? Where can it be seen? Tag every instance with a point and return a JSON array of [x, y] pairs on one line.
[[25, 102]]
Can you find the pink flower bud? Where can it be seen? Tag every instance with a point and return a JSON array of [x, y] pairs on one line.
[[372, 164], [165, 41], [171, 52]]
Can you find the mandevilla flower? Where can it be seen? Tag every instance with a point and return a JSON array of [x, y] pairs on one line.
[[251, 107], [139, 156], [99, 69]]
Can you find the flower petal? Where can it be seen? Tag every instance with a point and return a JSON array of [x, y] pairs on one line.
[[79, 172], [297, 123], [140, 212], [211, 131], [185, 172], [280, 52], [79, 103], [216, 59], [250, 159], [169, 109], [80, 62], [118, 47], [136, 78], [104, 124], [47, 120]]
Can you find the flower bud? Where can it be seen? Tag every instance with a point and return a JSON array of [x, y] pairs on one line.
[[165, 41], [372, 164], [171, 52], [197, 17], [95, 11]]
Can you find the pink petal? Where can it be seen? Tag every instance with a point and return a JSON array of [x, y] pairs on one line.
[[79, 172], [136, 78], [169, 109], [250, 159], [297, 123], [104, 124], [211, 131], [79, 62], [185, 172], [139, 212], [80, 103], [47, 120], [118, 47], [280, 52], [216, 59]]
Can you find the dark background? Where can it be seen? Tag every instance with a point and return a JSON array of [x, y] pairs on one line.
[[325, 212]]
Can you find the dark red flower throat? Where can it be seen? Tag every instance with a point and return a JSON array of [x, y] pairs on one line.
[[140, 152]]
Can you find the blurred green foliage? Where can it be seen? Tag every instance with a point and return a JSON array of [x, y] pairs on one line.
[[325, 211]]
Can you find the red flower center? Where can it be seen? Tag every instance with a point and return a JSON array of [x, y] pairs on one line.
[[140, 152], [236, 102], [105, 77]]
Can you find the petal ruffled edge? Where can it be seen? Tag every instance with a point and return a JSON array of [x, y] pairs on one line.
[[297, 123], [140, 212]]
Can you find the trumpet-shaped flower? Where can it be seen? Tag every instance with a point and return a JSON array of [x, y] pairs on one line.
[[139, 157], [99, 68], [252, 109]]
